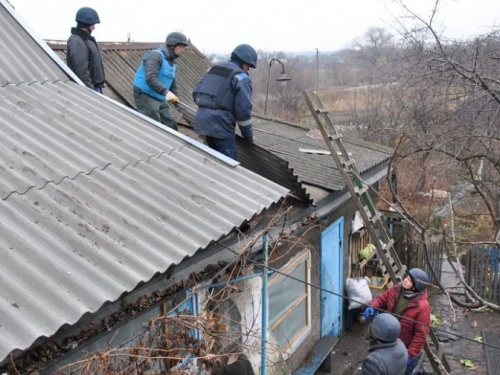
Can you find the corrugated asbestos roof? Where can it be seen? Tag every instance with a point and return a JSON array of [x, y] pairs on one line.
[[285, 141], [272, 167], [22, 59], [95, 200]]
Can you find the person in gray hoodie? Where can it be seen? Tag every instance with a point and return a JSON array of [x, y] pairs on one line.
[[387, 355]]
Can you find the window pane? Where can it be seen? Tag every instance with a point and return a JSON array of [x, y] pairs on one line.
[[285, 292], [288, 328], [288, 306]]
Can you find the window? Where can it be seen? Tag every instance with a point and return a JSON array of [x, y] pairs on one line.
[[290, 304]]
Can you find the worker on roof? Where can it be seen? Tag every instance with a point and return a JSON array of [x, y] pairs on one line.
[[154, 82], [224, 99], [82, 53]]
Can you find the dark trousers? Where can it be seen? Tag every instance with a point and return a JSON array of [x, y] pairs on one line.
[[156, 109], [224, 146]]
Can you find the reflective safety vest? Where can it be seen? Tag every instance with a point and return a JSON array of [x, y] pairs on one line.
[[215, 91], [166, 76]]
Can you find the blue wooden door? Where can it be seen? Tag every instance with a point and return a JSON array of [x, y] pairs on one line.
[[331, 276]]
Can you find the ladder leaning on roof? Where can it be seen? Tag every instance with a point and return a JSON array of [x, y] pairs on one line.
[[389, 261]]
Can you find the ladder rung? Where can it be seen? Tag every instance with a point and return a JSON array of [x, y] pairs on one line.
[[375, 217], [321, 111], [334, 136], [361, 191], [388, 245], [348, 163]]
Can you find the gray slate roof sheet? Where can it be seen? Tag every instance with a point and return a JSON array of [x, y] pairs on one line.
[[285, 141], [95, 199]]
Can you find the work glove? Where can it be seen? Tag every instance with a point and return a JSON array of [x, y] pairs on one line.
[[171, 98], [249, 140], [369, 313], [410, 361]]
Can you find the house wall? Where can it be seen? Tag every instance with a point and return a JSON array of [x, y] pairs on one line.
[[312, 237], [247, 302]]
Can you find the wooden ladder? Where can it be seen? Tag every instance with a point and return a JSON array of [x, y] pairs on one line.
[[389, 261]]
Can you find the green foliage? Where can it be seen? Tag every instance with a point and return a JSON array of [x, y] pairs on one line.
[[436, 320], [466, 363]]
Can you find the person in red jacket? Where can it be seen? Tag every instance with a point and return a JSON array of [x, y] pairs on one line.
[[407, 301]]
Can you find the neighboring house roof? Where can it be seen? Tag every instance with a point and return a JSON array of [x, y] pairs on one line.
[[292, 142], [121, 61], [95, 199]]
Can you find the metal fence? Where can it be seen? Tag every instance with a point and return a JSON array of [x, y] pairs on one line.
[[482, 265]]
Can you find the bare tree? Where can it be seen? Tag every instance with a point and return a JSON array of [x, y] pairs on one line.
[[437, 102]]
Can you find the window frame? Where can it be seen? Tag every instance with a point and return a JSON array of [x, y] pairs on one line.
[[298, 337]]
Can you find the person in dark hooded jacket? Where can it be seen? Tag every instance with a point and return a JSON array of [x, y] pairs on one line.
[[387, 354], [82, 53], [224, 99], [154, 81]]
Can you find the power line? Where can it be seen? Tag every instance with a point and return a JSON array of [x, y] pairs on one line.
[[353, 300]]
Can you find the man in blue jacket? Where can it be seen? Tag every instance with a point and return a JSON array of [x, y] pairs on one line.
[[82, 53], [154, 82], [224, 99]]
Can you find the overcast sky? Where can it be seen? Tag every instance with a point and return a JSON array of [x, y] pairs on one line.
[[217, 26]]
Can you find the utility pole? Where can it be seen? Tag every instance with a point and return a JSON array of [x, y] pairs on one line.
[[317, 68]]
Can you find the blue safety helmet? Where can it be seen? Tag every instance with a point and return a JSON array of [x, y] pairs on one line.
[[87, 16], [386, 327], [419, 278], [245, 54]]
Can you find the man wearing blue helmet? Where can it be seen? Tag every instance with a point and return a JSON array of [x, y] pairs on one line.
[[224, 99], [82, 53]]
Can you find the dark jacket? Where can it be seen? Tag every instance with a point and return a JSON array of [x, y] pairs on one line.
[[84, 59], [219, 121], [418, 310], [386, 359], [152, 64]]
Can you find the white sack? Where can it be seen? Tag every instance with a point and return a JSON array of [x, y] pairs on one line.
[[358, 292]]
